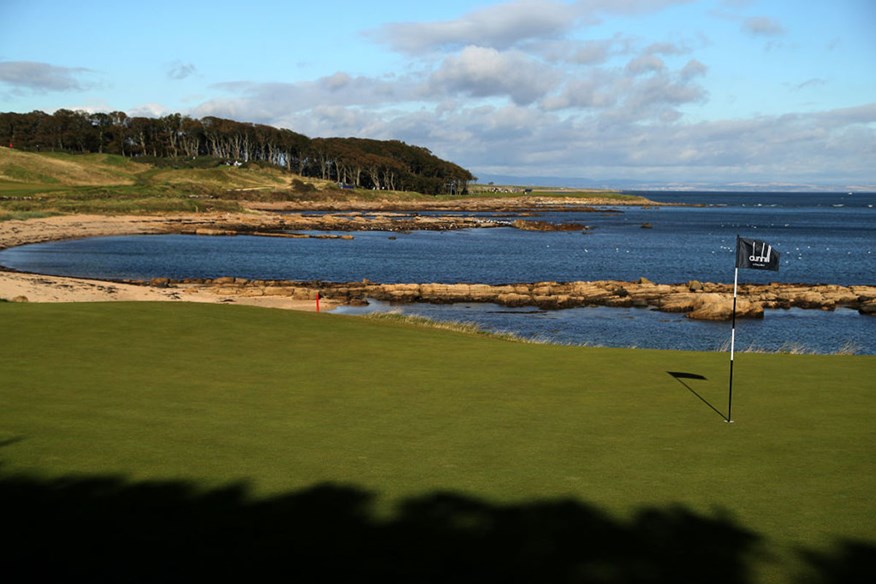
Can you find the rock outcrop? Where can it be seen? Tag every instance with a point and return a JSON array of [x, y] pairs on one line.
[[20, 232], [701, 301], [525, 225]]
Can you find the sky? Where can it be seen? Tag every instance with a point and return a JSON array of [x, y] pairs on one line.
[[732, 92]]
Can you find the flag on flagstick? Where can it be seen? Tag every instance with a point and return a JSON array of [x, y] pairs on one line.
[[754, 255]]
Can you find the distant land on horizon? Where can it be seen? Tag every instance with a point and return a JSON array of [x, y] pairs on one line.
[[641, 185]]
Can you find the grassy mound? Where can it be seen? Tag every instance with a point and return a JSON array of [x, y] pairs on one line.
[[230, 416], [21, 171], [102, 183]]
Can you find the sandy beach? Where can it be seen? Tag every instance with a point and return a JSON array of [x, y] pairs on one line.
[[261, 218], [22, 287]]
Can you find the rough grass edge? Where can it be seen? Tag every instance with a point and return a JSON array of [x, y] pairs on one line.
[[464, 327], [25, 215], [792, 348]]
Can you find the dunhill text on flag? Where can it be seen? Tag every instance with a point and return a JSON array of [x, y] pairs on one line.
[[756, 255]]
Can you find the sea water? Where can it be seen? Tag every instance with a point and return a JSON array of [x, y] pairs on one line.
[[823, 238]]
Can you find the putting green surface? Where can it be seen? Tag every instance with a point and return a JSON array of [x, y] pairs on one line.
[[274, 403]]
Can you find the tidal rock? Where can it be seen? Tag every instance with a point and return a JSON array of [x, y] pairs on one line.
[[213, 231], [868, 306], [698, 300], [546, 226], [682, 302], [720, 307], [514, 299]]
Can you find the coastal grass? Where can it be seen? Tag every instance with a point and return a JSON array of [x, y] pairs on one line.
[[281, 401], [60, 183], [467, 327], [111, 184], [513, 191]]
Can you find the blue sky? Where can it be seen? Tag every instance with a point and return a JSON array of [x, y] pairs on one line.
[[744, 92]]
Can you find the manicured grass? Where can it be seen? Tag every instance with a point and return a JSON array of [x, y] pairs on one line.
[[212, 396]]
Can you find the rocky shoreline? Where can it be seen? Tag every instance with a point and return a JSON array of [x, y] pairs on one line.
[[702, 301], [265, 224], [707, 301]]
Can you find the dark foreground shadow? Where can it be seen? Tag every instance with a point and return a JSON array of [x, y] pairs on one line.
[[100, 529], [105, 529], [681, 376], [850, 562]]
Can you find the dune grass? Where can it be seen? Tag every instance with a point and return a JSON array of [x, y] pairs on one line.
[[57, 183], [111, 184], [282, 401]]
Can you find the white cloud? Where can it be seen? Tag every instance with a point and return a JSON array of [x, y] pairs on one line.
[[43, 77], [665, 49], [486, 72], [646, 64], [179, 70], [794, 147], [149, 110], [269, 100], [600, 89], [762, 26], [508, 24], [693, 69], [862, 114], [591, 52], [500, 26], [511, 90], [612, 126]]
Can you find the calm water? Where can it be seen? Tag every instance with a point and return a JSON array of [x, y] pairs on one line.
[[823, 238], [785, 330]]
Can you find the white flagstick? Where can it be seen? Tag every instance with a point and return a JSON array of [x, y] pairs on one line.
[[732, 348]]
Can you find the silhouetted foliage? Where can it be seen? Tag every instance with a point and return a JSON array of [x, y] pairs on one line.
[[369, 164]]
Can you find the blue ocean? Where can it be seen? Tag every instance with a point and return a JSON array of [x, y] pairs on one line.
[[827, 238]]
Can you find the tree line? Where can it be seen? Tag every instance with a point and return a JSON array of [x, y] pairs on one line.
[[354, 162]]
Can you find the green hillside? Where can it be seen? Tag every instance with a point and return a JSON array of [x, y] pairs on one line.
[[45, 183], [25, 171], [58, 182]]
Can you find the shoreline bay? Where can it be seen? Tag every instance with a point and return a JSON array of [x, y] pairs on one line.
[[698, 300]]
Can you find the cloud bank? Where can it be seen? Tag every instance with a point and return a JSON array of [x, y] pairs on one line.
[[510, 89], [530, 87]]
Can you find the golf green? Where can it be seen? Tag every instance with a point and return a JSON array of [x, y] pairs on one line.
[[100, 404]]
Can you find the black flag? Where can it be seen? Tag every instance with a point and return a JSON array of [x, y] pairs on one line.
[[756, 255]]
